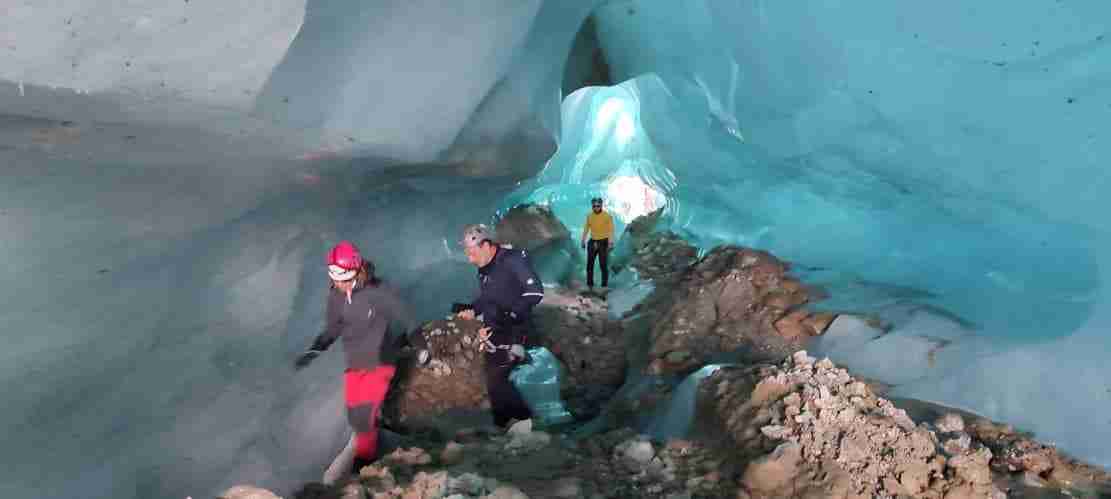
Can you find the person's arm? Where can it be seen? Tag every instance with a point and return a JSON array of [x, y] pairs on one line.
[[324, 340], [586, 231], [532, 289], [476, 306]]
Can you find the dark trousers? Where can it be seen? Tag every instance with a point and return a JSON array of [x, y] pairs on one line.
[[505, 401], [597, 248]]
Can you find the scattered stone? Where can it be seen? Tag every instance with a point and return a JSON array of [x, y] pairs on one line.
[[950, 423], [568, 487], [637, 453], [1027, 455], [452, 454], [247, 492], [520, 428], [506, 492], [958, 445], [413, 456], [829, 434], [524, 443], [353, 491]]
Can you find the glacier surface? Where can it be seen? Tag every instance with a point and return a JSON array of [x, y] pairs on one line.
[[173, 175]]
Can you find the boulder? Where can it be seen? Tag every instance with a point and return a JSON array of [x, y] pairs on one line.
[[732, 300], [578, 331], [452, 379], [529, 226], [661, 257]]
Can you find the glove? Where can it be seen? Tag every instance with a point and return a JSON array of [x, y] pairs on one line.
[[305, 359], [518, 352], [423, 357]]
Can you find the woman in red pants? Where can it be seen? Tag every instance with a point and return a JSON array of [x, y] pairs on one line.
[[360, 310]]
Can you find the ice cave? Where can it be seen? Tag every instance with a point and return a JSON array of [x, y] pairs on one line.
[[174, 173]]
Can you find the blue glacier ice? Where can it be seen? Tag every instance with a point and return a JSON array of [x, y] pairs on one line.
[[173, 174]]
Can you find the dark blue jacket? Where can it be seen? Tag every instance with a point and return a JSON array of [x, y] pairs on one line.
[[508, 289]]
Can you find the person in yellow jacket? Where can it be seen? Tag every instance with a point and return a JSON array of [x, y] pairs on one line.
[[599, 226]]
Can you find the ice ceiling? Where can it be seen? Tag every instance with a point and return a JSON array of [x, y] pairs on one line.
[[173, 174]]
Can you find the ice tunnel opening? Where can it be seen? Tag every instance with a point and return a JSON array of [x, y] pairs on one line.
[[930, 163]]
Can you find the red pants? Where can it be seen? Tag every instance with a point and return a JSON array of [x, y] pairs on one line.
[[364, 390]]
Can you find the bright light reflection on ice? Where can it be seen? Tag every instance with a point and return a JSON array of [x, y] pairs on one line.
[[629, 197]]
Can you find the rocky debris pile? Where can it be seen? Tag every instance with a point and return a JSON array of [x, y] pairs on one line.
[[810, 428], [578, 331], [529, 226], [733, 299], [661, 256], [451, 379], [1026, 461], [522, 463], [636, 466]]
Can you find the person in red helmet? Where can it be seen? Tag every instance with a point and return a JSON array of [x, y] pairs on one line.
[[360, 310]]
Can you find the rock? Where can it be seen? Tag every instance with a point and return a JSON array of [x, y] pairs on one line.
[[1027, 455], [528, 442], [569, 487], [378, 476], [973, 466], [452, 380], [657, 256], [791, 326], [957, 445], [506, 492], [819, 322], [247, 492], [452, 454], [529, 227], [678, 356], [950, 423], [353, 491], [520, 428], [637, 453], [774, 471], [829, 436], [427, 485], [413, 456], [732, 300], [589, 344], [801, 358], [469, 484], [1031, 479]]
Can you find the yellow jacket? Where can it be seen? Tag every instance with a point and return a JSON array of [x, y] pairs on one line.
[[599, 226]]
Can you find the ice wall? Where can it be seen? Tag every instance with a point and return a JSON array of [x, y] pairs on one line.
[[162, 246], [156, 293], [940, 165]]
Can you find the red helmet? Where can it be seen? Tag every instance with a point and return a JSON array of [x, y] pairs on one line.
[[343, 261]]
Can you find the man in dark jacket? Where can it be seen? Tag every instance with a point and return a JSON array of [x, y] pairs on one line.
[[361, 310], [508, 290]]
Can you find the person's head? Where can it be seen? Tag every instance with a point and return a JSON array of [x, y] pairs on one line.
[[596, 205], [347, 269], [478, 243]]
